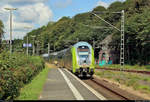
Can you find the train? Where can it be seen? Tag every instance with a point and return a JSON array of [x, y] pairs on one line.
[[79, 59]]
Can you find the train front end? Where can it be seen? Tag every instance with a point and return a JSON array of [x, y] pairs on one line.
[[84, 59]]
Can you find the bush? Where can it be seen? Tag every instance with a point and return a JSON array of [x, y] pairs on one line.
[[15, 71]]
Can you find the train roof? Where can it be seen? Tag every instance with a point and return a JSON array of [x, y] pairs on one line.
[[45, 55], [59, 52], [82, 43], [54, 53]]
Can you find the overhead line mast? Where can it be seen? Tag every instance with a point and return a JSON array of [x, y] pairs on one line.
[[122, 33], [122, 41]]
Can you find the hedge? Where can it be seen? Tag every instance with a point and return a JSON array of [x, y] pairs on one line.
[[16, 70]]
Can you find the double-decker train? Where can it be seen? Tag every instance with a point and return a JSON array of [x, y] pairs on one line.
[[78, 58]]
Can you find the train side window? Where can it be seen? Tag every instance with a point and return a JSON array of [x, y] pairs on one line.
[[60, 57]]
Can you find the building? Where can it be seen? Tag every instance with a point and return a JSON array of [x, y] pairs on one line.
[[108, 54]]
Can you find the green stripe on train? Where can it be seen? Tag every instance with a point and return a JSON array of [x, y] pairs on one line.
[[74, 59], [93, 61]]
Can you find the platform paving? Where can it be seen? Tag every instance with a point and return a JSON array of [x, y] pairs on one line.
[[56, 87]]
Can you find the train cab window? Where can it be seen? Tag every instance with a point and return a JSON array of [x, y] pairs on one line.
[[83, 52], [83, 56]]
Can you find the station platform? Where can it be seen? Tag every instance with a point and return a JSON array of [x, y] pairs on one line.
[[63, 85]]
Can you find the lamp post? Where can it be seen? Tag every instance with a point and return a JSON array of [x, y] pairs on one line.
[[49, 48], [33, 53], [27, 51], [37, 44], [38, 48], [10, 9]]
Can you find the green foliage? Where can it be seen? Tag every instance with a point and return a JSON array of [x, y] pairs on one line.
[[128, 67], [86, 27], [32, 90], [143, 87], [99, 8], [116, 6], [1, 33], [138, 27], [15, 71], [136, 81]]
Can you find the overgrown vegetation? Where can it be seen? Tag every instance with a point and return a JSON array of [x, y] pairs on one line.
[[1, 33], [136, 81], [86, 27], [15, 71], [135, 67], [32, 90]]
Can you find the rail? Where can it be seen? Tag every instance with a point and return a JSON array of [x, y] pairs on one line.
[[126, 70], [115, 89]]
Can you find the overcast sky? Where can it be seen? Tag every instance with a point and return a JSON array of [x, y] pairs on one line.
[[36, 13]]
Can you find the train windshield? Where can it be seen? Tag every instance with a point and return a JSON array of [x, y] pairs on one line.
[[83, 56], [83, 53]]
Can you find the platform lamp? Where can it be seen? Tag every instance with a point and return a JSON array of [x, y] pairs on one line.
[[10, 9]]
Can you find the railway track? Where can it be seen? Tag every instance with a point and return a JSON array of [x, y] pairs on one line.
[[108, 90], [125, 70], [111, 91]]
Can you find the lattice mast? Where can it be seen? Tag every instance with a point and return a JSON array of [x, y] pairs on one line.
[[122, 40]]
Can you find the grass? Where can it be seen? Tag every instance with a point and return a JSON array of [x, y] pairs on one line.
[[132, 67], [136, 81], [32, 90]]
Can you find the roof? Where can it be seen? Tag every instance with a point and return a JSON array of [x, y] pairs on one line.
[[83, 44], [107, 40]]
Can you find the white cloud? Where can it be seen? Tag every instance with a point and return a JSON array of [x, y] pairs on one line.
[[15, 35], [101, 3], [118, 0], [4, 14], [45, 14], [26, 15], [106, 4], [22, 1], [37, 13], [18, 28], [20, 25]]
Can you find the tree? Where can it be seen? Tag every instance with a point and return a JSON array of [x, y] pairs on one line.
[[86, 27], [1, 32], [99, 8]]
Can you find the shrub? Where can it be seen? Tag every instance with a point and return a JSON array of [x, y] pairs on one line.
[[15, 71]]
